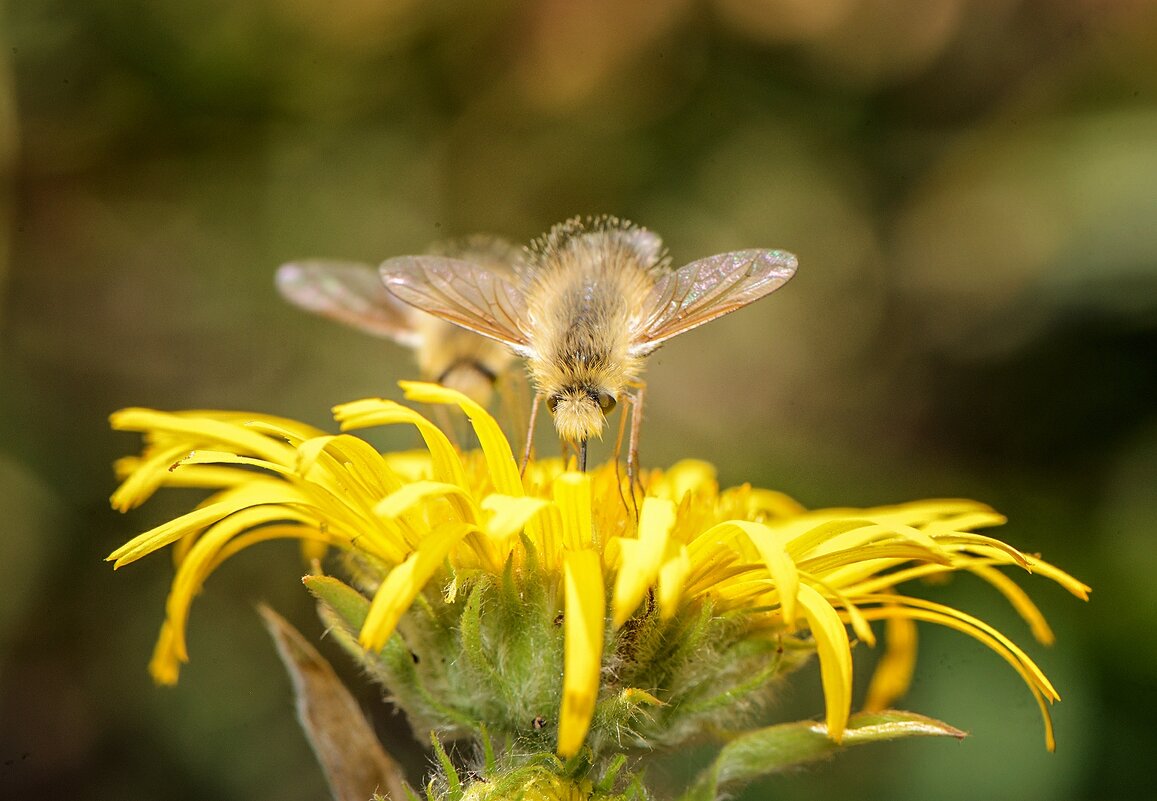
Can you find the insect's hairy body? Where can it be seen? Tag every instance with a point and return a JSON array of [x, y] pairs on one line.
[[585, 292], [458, 358], [587, 302]]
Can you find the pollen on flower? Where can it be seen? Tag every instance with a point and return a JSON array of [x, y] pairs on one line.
[[479, 594]]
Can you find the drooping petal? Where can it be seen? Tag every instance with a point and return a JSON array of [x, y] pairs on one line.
[[165, 664], [835, 655], [1040, 687], [168, 533], [584, 619], [1019, 600]]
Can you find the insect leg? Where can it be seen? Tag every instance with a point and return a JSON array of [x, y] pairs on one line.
[[618, 453], [636, 400], [513, 395], [530, 433], [636, 427]]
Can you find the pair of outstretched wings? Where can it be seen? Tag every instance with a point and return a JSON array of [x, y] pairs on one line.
[[494, 305]]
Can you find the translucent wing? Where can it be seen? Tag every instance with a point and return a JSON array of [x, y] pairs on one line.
[[706, 289], [463, 293], [351, 293]]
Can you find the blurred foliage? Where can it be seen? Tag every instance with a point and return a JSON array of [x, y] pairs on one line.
[[970, 190]]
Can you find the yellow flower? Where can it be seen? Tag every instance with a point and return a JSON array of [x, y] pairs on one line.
[[743, 576]]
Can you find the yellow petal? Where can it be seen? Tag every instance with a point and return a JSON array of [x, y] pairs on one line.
[[202, 431], [509, 514], [146, 477], [918, 609], [769, 504], [572, 495], [672, 581], [345, 463], [686, 476], [894, 671], [835, 656], [165, 666], [410, 495], [772, 547], [981, 631], [168, 533], [405, 581], [1020, 602], [643, 557], [500, 462], [203, 558], [369, 412], [1043, 568], [585, 615]]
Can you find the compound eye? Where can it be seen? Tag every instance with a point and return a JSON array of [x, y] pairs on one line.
[[606, 402], [552, 403]]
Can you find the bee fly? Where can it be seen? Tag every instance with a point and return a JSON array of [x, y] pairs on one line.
[[589, 301]]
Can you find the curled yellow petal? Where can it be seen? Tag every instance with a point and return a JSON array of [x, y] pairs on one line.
[[499, 458], [165, 665], [444, 459], [1020, 601], [835, 655]]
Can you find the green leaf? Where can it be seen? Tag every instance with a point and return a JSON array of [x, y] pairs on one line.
[[349, 604], [765, 751]]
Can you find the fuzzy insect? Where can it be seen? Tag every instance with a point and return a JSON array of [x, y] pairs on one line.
[[590, 300]]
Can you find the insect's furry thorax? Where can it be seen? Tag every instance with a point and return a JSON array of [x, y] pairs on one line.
[[584, 293]]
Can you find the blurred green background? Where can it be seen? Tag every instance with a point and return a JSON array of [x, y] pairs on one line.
[[971, 189]]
